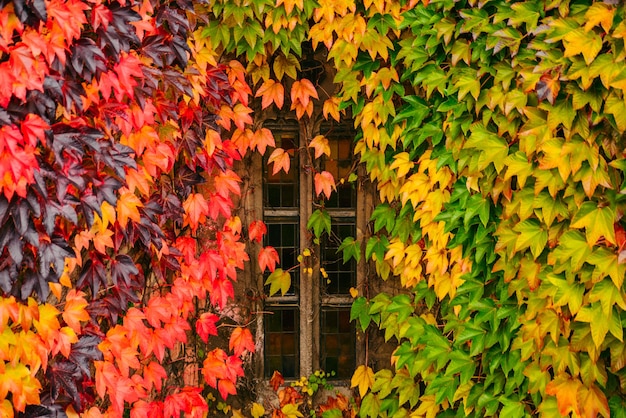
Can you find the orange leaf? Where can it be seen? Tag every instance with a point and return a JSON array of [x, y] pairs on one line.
[[240, 341], [214, 366], [262, 139], [331, 107], [212, 141], [127, 207], [241, 116], [226, 387], [565, 389], [196, 208], [138, 179], [256, 230], [320, 144], [277, 380], [271, 92], [302, 91], [227, 182], [268, 257], [74, 311], [281, 159], [324, 182], [594, 402]]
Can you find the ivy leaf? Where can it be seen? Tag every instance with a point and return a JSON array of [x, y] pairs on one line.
[[351, 249], [319, 222], [531, 235], [205, 325], [281, 160], [196, 209], [324, 183], [320, 145], [256, 231], [363, 378], [268, 258], [279, 280], [597, 221], [565, 389], [271, 92], [240, 341]]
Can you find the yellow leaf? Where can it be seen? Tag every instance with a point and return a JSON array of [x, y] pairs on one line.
[[237, 413], [363, 378], [286, 65], [257, 410], [578, 41], [321, 146], [354, 292], [290, 410], [331, 107], [402, 164], [600, 13]]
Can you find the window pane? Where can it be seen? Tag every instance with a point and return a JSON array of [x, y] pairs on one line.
[[339, 164], [280, 190], [338, 342], [341, 276], [281, 342], [283, 237]]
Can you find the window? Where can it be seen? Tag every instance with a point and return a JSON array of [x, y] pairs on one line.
[[309, 328]]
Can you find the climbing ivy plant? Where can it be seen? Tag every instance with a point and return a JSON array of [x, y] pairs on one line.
[[494, 132]]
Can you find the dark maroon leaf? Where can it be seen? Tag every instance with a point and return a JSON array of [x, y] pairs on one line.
[[92, 275], [63, 376], [87, 58], [52, 257], [176, 21], [122, 268], [154, 46], [85, 352]]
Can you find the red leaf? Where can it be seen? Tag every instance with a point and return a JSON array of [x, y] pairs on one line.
[[33, 128], [256, 230], [268, 258], [205, 325], [240, 341]]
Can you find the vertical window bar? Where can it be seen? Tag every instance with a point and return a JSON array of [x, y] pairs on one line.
[[341, 276]]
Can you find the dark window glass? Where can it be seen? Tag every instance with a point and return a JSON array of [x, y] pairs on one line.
[[281, 342], [284, 238], [338, 342], [341, 276], [339, 164], [280, 190]]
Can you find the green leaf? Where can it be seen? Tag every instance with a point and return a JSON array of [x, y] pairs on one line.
[[370, 406], [462, 363], [493, 148], [351, 249], [376, 245], [597, 221], [402, 305], [319, 222], [360, 310], [531, 235], [383, 216]]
